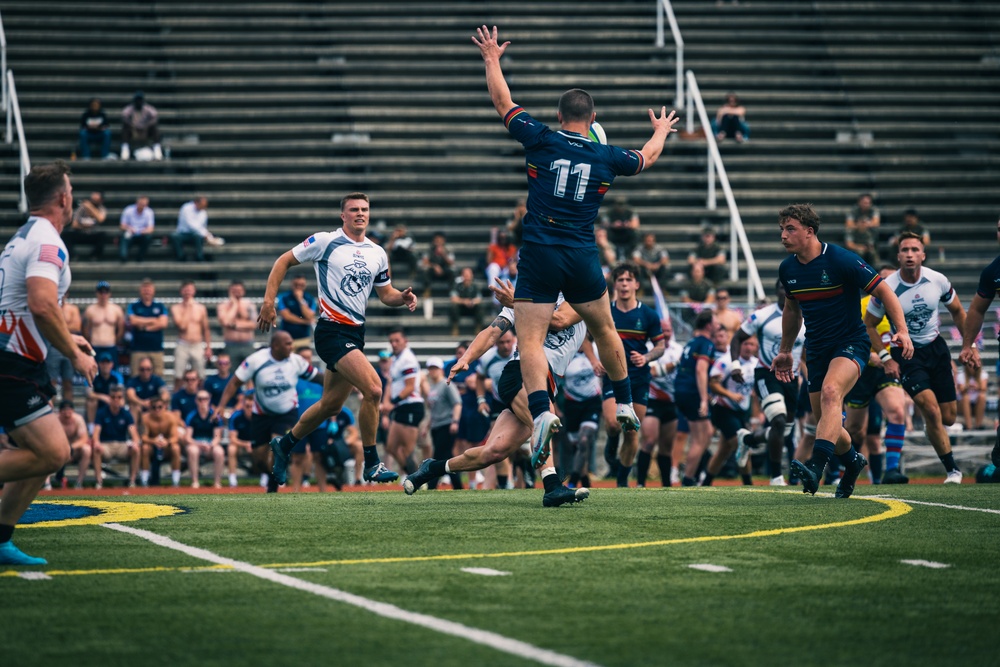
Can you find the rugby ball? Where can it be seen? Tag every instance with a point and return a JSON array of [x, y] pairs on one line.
[[597, 133]]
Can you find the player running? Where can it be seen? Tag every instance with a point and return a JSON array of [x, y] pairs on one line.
[[568, 176], [348, 266], [405, 404], [731, 396], [659, 426], [691, 388], [926, 377], [823, 283]]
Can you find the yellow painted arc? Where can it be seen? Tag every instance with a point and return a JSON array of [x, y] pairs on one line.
[[110, 512]]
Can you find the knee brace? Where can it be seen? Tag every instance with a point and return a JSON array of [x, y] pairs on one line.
[[773, 407]]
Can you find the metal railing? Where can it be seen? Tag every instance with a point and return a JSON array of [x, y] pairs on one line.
[[4, 100], [25, 162], [663, 7]]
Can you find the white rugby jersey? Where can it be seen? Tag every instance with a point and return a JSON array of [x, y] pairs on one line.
[[722, 368], [405, 366], [765, 324], [491, 365], [274, 381], [560, 346], [579, 381], [920, 303], [661, 387], [35, 251], [346, 272]]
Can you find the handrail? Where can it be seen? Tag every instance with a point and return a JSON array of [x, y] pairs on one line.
[[25, 162], [4, 99], [664, 7], [755, 290]]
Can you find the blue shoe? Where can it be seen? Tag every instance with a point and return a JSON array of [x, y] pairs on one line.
[[809, 475], [545, 425], [279, 471], [11, 555], [850, 477], [562, 495], [380, 474], [420, 476]]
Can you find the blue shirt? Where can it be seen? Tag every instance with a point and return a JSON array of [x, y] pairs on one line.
[[239, 421], [699, 347], [215, 385], [340, 423], [568, 176], [114, 428], [989, 283], [201, 428], [183, 402], [103, 386], [459, 379], [828, 290], [635, 327], [148, 389], [309, 395], [147, 341], [288, 300]]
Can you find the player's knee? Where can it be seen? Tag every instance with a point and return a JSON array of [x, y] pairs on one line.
[[54, 458], [831, 398], [896, 414], [948, 416], [372, 392]]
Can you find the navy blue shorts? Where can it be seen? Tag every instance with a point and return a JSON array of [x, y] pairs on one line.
[[687, 406], [857, 351], [543, 271], [727, 420], [640, 389], [665, 411], [873, 380]]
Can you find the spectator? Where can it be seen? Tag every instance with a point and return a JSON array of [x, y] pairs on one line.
[[238, 317], [194, 345], [439, 263], [499, 255], [459, 378], [466, 299], [399, 247], [59, 366], [140, 125], [216, 384], [203, 435], [606, 250], [622, 224], [652, 259], [182, 402], [912, 224], [297, 309], [240, 434], [79, 441], [730, 120], [972, 396], [143, 387], [84, 228], [94, 128], [99, 391], [516, 222], [729, 320], [147, 318], [104, 323], [159, 436], [861, 229], [697, 289], [116, 436], [192, 229], [137, 224], [710, 255]]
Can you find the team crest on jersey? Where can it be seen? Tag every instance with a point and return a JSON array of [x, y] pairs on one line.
[[357, 278], [824, 279], [918, 318]]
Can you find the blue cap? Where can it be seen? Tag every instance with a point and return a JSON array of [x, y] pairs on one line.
[[105, 356], [384, 354], [103, 284]]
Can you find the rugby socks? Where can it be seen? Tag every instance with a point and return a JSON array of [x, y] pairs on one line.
[[665, 463], [848, 457], [707, 479], [538, 403], [642, 463], [409, 465], [949, 462], [439, 468], [287, 443], [550, 480], [747, 479], [623, 391], [876, 465], [6, 532], [371, 456], [823, 451], [773, 468], [611, 453], [502, 482], [623, 472], [894, 434]]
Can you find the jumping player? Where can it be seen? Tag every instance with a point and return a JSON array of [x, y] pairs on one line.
[[348, 266], [823, 283], [568, 176]]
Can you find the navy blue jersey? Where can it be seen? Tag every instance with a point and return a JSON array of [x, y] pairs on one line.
[[103, 385], [202, 428], [114, 428], [239, 421], [635, 327], [183, 403], [989, 283], [568, 176], [699, 347], [288, 300], [215, 385], [828, 290], [148, 389], [147, 341]]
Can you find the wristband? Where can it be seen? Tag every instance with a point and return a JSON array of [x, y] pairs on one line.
[[396, 400], [480, 400], [884, 355]]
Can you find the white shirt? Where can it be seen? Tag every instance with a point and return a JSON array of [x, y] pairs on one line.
[[191, 220], [491, 365], [919, 302], [661, 387], [559, 346], [136, 222], [404, 367], [579, 381], [346, 273], [35, 251], [723, 370], [765, 324], [274, 381]]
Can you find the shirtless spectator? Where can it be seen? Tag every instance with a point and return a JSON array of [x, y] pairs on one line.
[[147, 318], [99, 391], [729, 319], [116, 437], [194, 345], [104, 322], [85, 227], [79, 442], [60, 369], [160, 437], [238, 317]]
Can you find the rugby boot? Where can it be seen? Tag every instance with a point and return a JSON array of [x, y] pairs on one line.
[[625, 414], [380, 474], [743, 448], [545, 425], [562, 495], [11, 555], [418, 478], [850, 477], [894, 476], [279, 471], [809, 473]]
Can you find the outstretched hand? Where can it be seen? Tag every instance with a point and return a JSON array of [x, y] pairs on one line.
[[664, 121], [458, 367], [488, 44], [504, 293], [409, 298]]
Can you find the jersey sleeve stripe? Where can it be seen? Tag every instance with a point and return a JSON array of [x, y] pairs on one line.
[[642, 160], [872, 284], [511, 114]]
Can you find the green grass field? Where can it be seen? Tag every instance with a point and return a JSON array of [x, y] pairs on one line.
[[812, 580]]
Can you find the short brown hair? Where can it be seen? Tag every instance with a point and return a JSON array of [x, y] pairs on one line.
[[576, 104], [804, 213], [44, 183], [908, 235], [353, 195], [622, 269]]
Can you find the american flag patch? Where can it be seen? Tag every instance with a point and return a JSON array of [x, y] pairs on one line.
[[309, 241], [52, 254]]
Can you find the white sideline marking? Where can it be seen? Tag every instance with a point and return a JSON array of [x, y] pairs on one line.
[[926, 563], [708, 567], [475, 635], [300, 569], [485, 571], [950, 507], [34, 576]]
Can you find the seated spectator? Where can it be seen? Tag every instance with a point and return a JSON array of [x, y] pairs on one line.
[[60, 368], [143, 387], [439, 264], [297, 310], [622, 224], [159, 437], [240, 435], [99, 391], [605, 250], [192, 229], [516, 222], [203, 435], [216, 384], [116, 436], [466, 299], [972, 396], [399, 247], [94, 128], [652, 259], [730, 120], [84, 228], [137, 225], [861, 229], [697, 289], [912, 224], [140, 127], [499, 255], [710, 255], [182, 402], [79, 441]]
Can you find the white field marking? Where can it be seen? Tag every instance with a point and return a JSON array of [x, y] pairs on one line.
[[300, 569], [485, 571], [708, 567], [474, 635], [950, 507], [926, 563], [34, 576]]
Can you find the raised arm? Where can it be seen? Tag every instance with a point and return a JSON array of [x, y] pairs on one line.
[[492, 50], [483, 341], [663, 125]]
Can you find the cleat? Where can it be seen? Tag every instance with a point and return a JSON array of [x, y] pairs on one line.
[[778, 481], [545, 425], [279, 471], [809, 473], [626, 416], [995, 455], [850, 477], [380, 474], [420, 476], [954, 477], [11, 555], [562, 495], [894, 476], [743, 449]]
